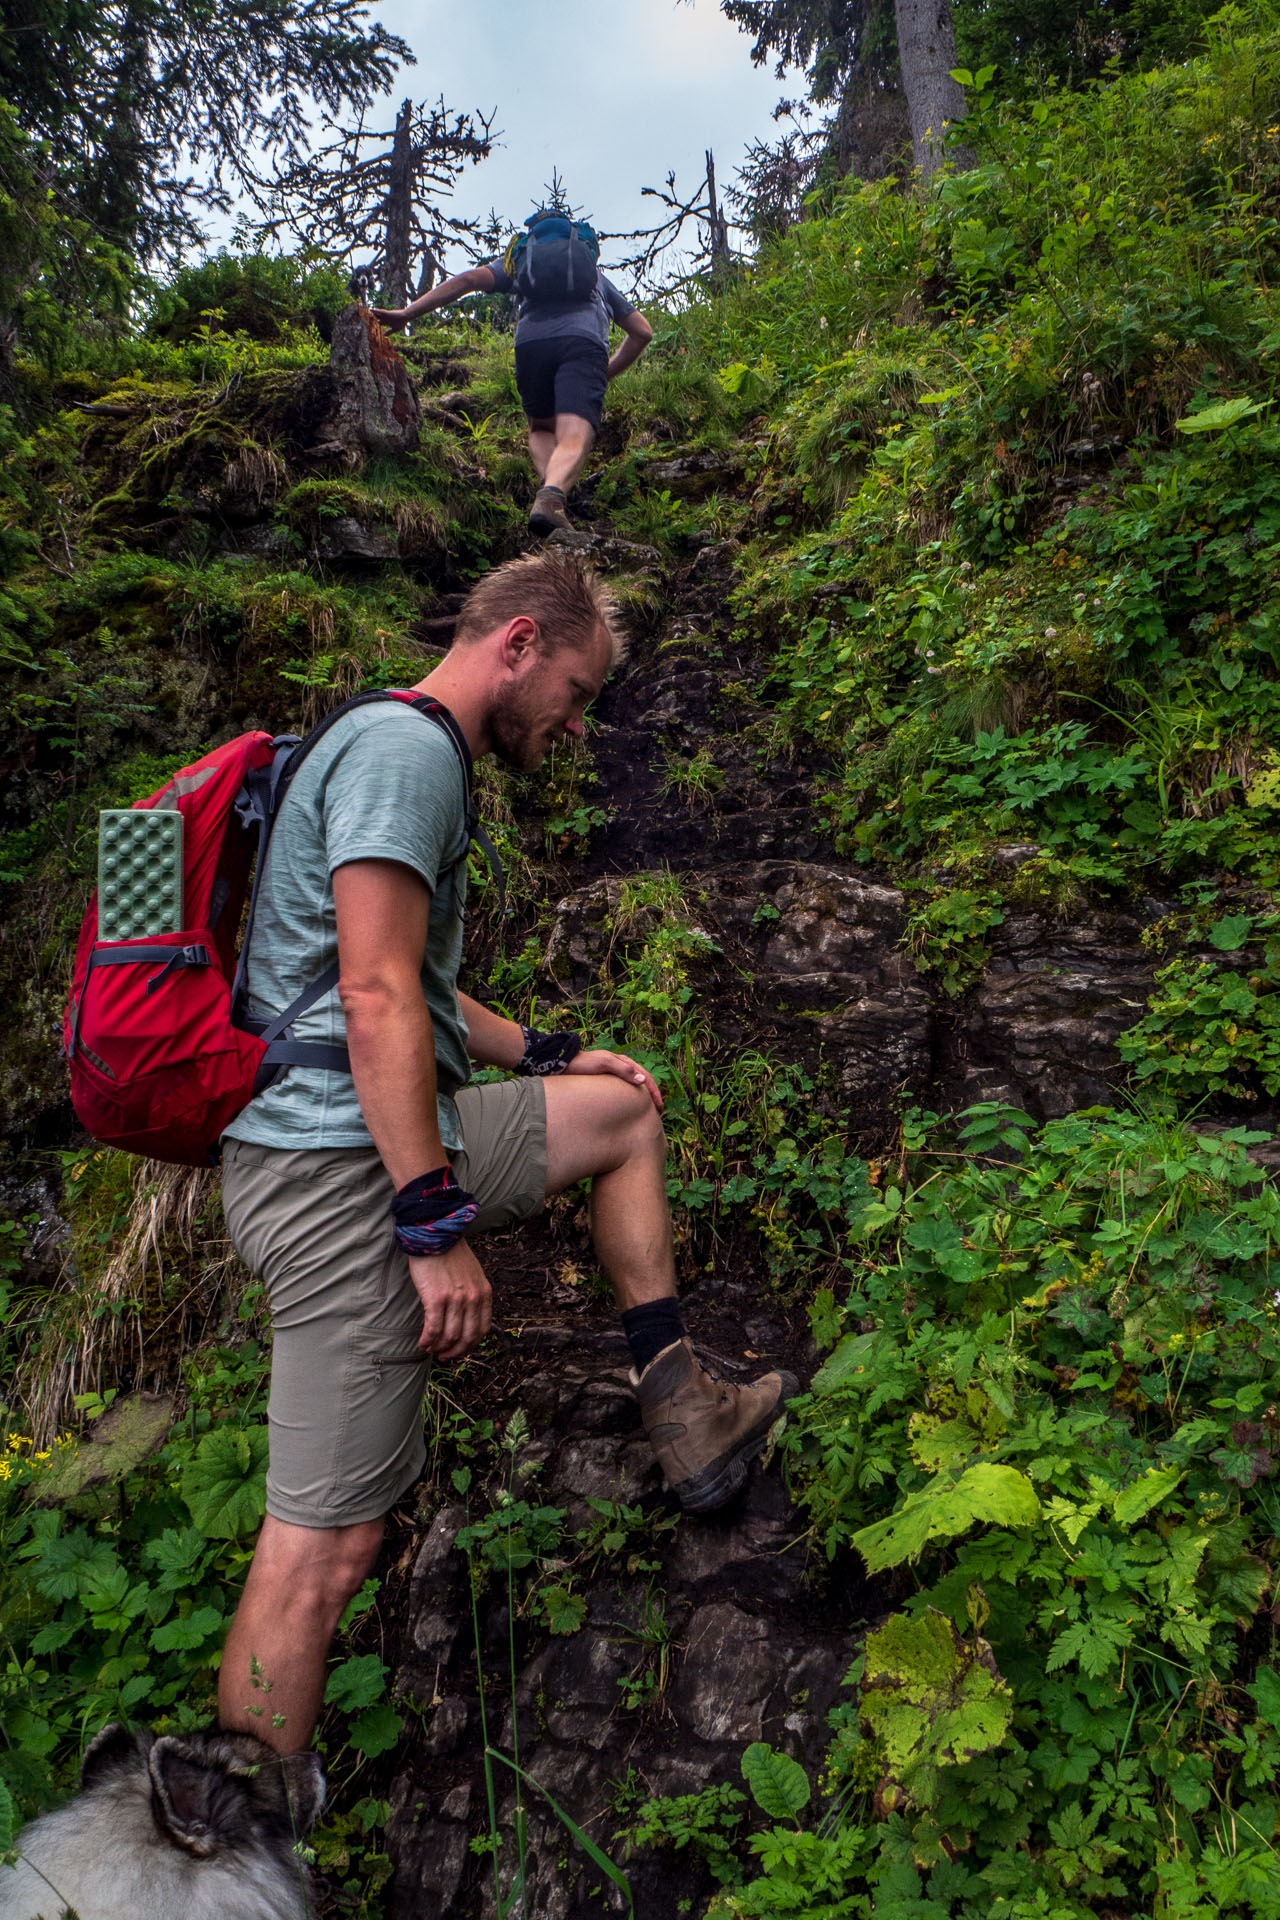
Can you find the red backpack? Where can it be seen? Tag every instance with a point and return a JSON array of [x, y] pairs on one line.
[[161, 1051]]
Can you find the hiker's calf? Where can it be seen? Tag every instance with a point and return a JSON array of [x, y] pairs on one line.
[[197, 1826]]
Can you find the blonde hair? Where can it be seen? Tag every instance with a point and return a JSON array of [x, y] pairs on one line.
[[569, 602]]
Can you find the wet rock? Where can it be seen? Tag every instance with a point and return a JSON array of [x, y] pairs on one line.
[[447, 1727], [757, 1548], [346, 538], [1046, 1016], [726, 1676], [436, 1591], [600, 1469], [605, 552], [693, 474], [376, 409], [471, 406], [431, 1857]]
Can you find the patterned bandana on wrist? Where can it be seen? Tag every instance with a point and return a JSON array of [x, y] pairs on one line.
[[547, 1052], [432, 1213]]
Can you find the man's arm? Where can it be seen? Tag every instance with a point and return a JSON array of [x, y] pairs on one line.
[[636, 335], [474, 280], [382, 911], [491, 1040], [495, 1042]]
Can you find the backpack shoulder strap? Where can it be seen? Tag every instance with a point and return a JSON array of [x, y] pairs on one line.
[[437, 711]]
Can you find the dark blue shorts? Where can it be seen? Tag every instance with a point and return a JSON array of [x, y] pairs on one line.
[[562, 376]]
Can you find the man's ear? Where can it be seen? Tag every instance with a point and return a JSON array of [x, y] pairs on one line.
[[519, 644]]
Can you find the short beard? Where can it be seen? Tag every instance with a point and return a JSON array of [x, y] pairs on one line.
[[510, 735]]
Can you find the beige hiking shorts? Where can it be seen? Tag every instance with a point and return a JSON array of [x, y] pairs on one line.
[[347, 1376]]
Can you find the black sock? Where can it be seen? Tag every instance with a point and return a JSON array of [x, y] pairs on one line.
[[650, 1328]]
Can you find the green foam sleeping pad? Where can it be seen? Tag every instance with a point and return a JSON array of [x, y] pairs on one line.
[[139, 873]]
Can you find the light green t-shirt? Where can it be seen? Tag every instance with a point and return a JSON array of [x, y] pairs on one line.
[[384, 784]]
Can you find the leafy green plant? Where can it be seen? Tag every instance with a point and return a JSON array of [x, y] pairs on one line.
[[1210, 1030]]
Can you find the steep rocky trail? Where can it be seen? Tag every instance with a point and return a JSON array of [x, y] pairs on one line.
[[699, 1635]]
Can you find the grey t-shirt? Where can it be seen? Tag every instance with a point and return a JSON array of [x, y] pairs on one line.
[[384, 784], [586, 318]]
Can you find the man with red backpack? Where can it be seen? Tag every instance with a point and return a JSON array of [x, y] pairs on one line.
[[354, 1190], [563, 363]]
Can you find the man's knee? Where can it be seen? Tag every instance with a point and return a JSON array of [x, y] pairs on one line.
[[321, 1567], [642, 1122]]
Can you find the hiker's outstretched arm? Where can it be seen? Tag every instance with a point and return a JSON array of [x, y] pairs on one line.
[[636, 335], [474, 280], [382, 910]]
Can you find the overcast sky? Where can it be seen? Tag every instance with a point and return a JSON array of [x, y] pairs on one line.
[[615, 96]]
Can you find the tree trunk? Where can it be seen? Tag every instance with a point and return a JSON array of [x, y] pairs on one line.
[[114, 195], [927, 53], [399, 213], [718, 244]]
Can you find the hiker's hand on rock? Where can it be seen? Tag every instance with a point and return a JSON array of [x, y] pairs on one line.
[[597, 1060], [457, 1301]]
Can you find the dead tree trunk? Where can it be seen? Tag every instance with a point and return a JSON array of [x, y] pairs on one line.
[[927, 53], [717, 221], [399, 212]]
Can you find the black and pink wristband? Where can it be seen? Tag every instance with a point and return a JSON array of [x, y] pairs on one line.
[[432, 1213], [547, 1052]]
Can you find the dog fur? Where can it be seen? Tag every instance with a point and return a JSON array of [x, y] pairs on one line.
[[196, 1826]]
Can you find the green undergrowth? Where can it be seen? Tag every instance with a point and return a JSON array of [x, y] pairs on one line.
[[1045, 1430], [1014, 499]]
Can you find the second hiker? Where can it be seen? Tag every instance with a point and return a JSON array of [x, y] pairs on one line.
[[563, 363]]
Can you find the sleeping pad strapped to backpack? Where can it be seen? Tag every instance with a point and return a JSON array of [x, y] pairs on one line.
[[162, 1052], [554, 262]]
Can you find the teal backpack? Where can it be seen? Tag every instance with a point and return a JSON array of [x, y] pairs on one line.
[[554, 262]]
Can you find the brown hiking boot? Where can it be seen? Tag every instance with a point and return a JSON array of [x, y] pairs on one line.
[[548, 511], [705, 1432]]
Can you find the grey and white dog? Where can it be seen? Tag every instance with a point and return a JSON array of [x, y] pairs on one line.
[[194, 1826]]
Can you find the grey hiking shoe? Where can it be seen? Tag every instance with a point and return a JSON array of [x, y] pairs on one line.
[[548, 511], [705, 1432]]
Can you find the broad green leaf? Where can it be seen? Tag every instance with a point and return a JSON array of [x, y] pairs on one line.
[[224, 1485], [377, 1730], [1145, 1493], [986, 1491], [848, 1360], [932, 1699], [177, 1555], [1231, 932], [565, 1611], [1225, 413], [1264, 1689], [191, 1630], [779, 1785], [356, 1684]]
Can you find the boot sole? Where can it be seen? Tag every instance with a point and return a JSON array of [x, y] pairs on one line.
[[713, 1485], [543, 523]]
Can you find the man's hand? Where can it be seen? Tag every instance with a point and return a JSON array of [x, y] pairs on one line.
[[392, 318], [457, 1301], [596, 1060]]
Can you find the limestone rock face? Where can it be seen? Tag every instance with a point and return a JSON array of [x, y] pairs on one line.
[[377, 408]]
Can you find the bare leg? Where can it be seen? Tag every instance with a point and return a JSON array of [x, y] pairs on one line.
[[574, 439], [542, 444], [272, 1677], [601, 1129]]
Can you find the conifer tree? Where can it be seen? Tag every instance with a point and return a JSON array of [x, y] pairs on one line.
[[374, 193], [142, 103]]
